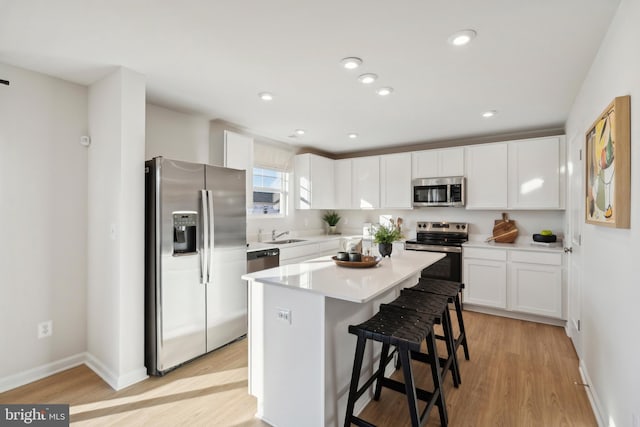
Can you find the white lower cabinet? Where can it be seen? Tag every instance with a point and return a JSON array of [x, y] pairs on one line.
[[485, 277], [535, 282], [514, 280], [300, 253]]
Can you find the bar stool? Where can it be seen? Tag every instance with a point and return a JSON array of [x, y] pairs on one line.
[[438, 307], [451, 290], [405, 330]]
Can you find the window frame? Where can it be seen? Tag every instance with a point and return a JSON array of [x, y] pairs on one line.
[[284, 177]]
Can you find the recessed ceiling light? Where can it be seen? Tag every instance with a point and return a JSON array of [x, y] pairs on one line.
[[460, 38], [489, 113], [300, 131], [266, 96], [351, 63], [352, 135], [384, 91], [367, 79]]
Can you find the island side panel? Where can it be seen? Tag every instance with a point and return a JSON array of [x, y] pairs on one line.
[[293, 388]]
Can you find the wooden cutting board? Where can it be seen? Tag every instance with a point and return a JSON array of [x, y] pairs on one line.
[[504, 230]]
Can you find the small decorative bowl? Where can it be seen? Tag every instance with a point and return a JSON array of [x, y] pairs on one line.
[[342, 256], [355, 257]]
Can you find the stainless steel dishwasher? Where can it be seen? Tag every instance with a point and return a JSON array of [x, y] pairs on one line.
[[263, 259]]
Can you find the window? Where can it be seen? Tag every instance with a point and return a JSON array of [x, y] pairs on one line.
[[269, 192]]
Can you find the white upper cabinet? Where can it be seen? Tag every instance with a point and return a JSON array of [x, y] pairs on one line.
[[395, 180], [314, 182], [487, 175], [438, 163], [535, 178], [365, 182], [238, 154], [522, 174], [342, 183]]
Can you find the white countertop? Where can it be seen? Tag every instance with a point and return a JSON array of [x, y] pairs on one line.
[[323, 276], [519, 244]]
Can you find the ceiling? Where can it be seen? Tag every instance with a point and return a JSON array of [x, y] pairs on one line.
[[213, 57]]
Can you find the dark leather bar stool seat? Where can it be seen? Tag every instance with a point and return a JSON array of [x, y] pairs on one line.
[[404, 330], [438, 307], [451, 290]]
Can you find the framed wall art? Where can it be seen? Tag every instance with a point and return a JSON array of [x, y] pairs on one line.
[[608, 167]]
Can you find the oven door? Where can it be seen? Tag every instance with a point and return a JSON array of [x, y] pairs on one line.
[[448, 268]]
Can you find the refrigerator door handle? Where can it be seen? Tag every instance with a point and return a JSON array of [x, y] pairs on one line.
[[211, 236], [204, 256]]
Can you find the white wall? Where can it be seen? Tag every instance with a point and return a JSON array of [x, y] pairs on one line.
[[176, 135], [115, 290], [610, 291], [43, 199]]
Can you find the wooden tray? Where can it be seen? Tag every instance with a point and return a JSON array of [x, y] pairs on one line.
[[367, 261]]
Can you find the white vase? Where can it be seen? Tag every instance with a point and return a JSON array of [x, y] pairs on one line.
[[332, 229]]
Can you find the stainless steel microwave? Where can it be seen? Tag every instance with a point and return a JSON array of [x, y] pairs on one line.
[[446, 191]]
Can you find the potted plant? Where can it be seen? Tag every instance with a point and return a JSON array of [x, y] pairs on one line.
[[331, 218], [384, 236]]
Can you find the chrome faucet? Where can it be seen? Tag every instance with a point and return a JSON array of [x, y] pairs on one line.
[[274, 236]]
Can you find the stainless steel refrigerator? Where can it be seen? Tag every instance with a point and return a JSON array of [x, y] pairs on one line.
[[195, 253]]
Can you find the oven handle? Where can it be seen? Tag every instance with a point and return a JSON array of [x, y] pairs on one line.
[[432, 248]]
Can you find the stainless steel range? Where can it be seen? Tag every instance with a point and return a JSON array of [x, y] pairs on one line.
[[443, 237]]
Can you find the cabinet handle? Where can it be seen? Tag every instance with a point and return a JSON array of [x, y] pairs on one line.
[[568, 250]]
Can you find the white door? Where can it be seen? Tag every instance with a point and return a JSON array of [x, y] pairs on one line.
[[574, 220]]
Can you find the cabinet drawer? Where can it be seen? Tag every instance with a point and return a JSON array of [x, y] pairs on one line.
[[491, 254], [328, 246], [298, 251], [536, 257]]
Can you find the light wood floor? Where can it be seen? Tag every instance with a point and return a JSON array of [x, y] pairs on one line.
[[520, 374]]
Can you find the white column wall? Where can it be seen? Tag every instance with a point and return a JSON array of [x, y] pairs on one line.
[[610, 291], [115, 294]]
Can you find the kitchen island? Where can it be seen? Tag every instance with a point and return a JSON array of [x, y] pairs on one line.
[[300, 351]]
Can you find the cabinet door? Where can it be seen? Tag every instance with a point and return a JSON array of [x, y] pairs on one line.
[[395, 181], [437, 163], [534, 173], [238, 154], [322, 196], [536, 289], [313, 182], [486, 166], [451, 162], [485, 282], [366, 182], [342, 183], [424, 164]]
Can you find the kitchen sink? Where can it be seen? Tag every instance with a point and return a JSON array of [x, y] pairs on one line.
[[284, 242]]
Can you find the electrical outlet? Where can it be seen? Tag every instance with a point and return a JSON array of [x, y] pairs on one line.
[[45, 329], [284, 315]]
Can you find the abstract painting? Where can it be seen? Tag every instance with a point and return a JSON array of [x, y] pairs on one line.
[[608, 166]]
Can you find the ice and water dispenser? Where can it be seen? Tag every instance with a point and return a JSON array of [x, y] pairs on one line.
[[185, 232]]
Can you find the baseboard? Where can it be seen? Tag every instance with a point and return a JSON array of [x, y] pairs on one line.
[[115, 382], [40, 372], [515, 315], [591, 393]]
